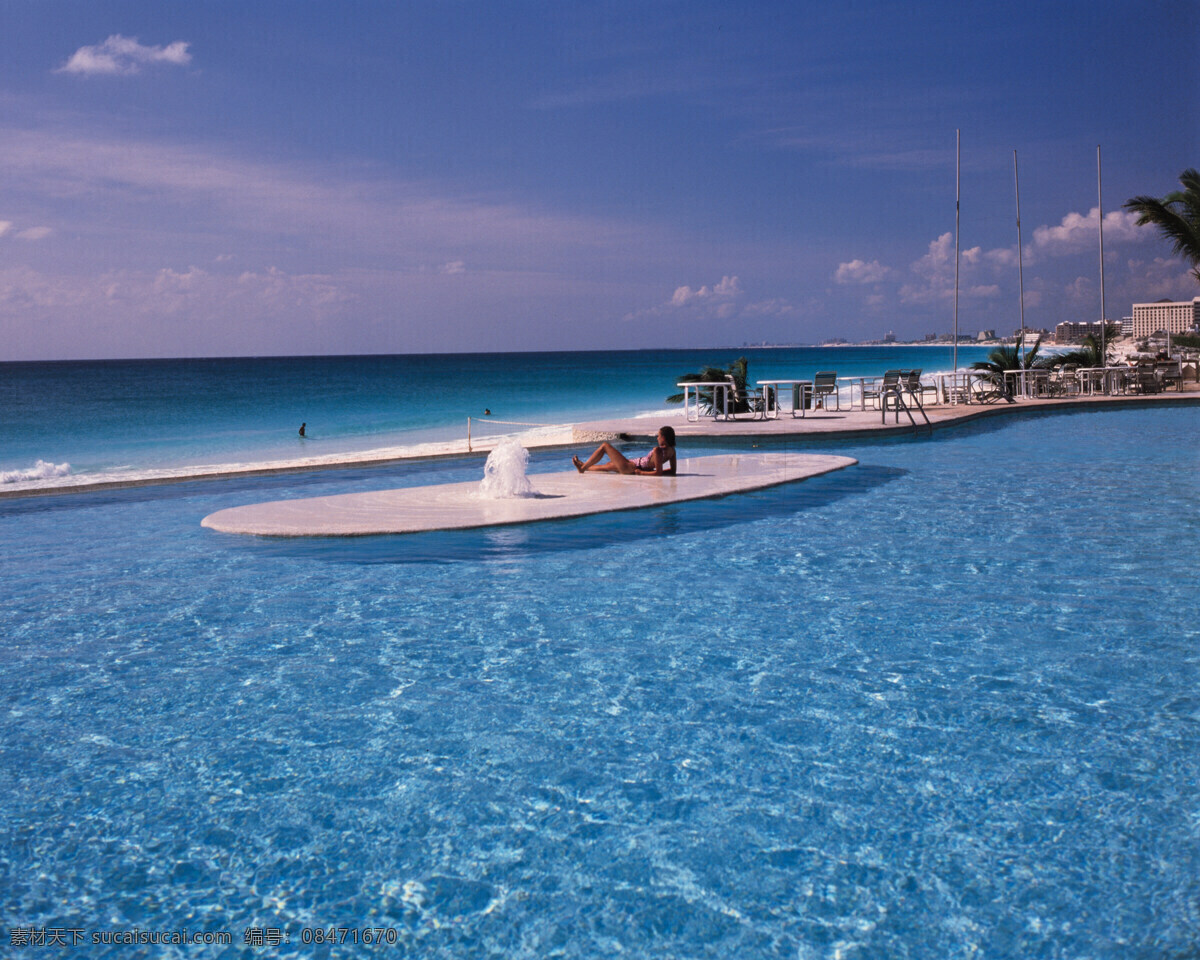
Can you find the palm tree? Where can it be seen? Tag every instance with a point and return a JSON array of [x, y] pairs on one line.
[[1003, 359], [1177, 216], [1088, 354], [736, 373]]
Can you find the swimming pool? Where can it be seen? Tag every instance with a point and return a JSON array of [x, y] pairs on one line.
[[942, 704]]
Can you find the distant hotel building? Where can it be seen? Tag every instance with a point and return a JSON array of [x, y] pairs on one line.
[[1072, 332], [1171, 316]]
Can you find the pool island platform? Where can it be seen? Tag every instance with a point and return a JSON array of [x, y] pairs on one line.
[[458, 506]]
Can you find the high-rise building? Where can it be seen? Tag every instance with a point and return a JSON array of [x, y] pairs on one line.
[[1169, 315]]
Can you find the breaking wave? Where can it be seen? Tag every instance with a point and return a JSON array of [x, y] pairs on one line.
[[42, 470]]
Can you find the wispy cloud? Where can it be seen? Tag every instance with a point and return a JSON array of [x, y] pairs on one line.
[[280, 246], [378, 217], [124, 56]]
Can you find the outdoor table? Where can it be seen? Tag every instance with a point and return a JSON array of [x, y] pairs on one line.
[[1089, 377], [719, 411], [862, 390], [1027, 382], [801, 390], [956, 387], [1106, 378]]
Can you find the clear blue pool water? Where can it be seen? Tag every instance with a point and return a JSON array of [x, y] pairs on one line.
[[943, 704]]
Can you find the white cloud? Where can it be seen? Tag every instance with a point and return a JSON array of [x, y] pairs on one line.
[[170, 280], [452, 268], [938, 263], [1002, 256], [720, 301], [727, 289], [858, 271], [34, 233], [983, 290], [4, 226], [936, 269], [123, 56], [1079, 232]]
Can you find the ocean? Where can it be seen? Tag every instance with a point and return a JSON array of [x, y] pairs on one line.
[[122, 420]]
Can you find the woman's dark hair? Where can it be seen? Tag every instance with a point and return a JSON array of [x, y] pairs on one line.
[[668, 435]]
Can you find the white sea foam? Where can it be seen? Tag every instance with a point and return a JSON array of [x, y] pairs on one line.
[[42, 470], [669, 413], [504, 473]]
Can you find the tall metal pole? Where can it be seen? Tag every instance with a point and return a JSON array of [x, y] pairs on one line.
[[1020, 258], [1103, 311], [957, 189]]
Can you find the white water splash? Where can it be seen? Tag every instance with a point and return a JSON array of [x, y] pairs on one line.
[[42, 470], [504, 473]]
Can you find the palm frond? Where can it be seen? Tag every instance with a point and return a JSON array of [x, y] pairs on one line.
[[1177, 217], [736, 374]]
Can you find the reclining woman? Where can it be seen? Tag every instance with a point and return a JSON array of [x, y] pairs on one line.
[[659, 462]]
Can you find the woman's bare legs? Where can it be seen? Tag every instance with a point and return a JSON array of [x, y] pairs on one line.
[[618, 462]]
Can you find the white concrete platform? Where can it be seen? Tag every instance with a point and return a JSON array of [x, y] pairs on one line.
[[456, 506]]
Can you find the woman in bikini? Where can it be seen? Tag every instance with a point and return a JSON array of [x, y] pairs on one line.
[[660, 461]]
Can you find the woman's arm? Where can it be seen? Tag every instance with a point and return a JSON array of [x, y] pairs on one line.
[[661, 467]]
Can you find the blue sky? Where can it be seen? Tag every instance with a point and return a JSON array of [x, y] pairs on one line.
[[219, 178]]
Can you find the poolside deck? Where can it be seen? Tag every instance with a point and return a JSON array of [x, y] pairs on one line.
[[855, 423]]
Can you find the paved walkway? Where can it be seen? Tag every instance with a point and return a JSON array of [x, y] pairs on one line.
[[834, 424]]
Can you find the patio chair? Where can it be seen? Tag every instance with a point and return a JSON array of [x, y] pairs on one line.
[[825, 385], [1169, 374], [1144, 379], [1037, 383], [913, 384], [989, 388], [1069, 380], [745, 400], [877, 392]]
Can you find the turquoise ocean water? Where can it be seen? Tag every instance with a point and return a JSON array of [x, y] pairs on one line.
[[116, 419]]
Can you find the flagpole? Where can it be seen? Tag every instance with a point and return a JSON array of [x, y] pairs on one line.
[[1103, 311], [957, 193], [1020, 258]]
